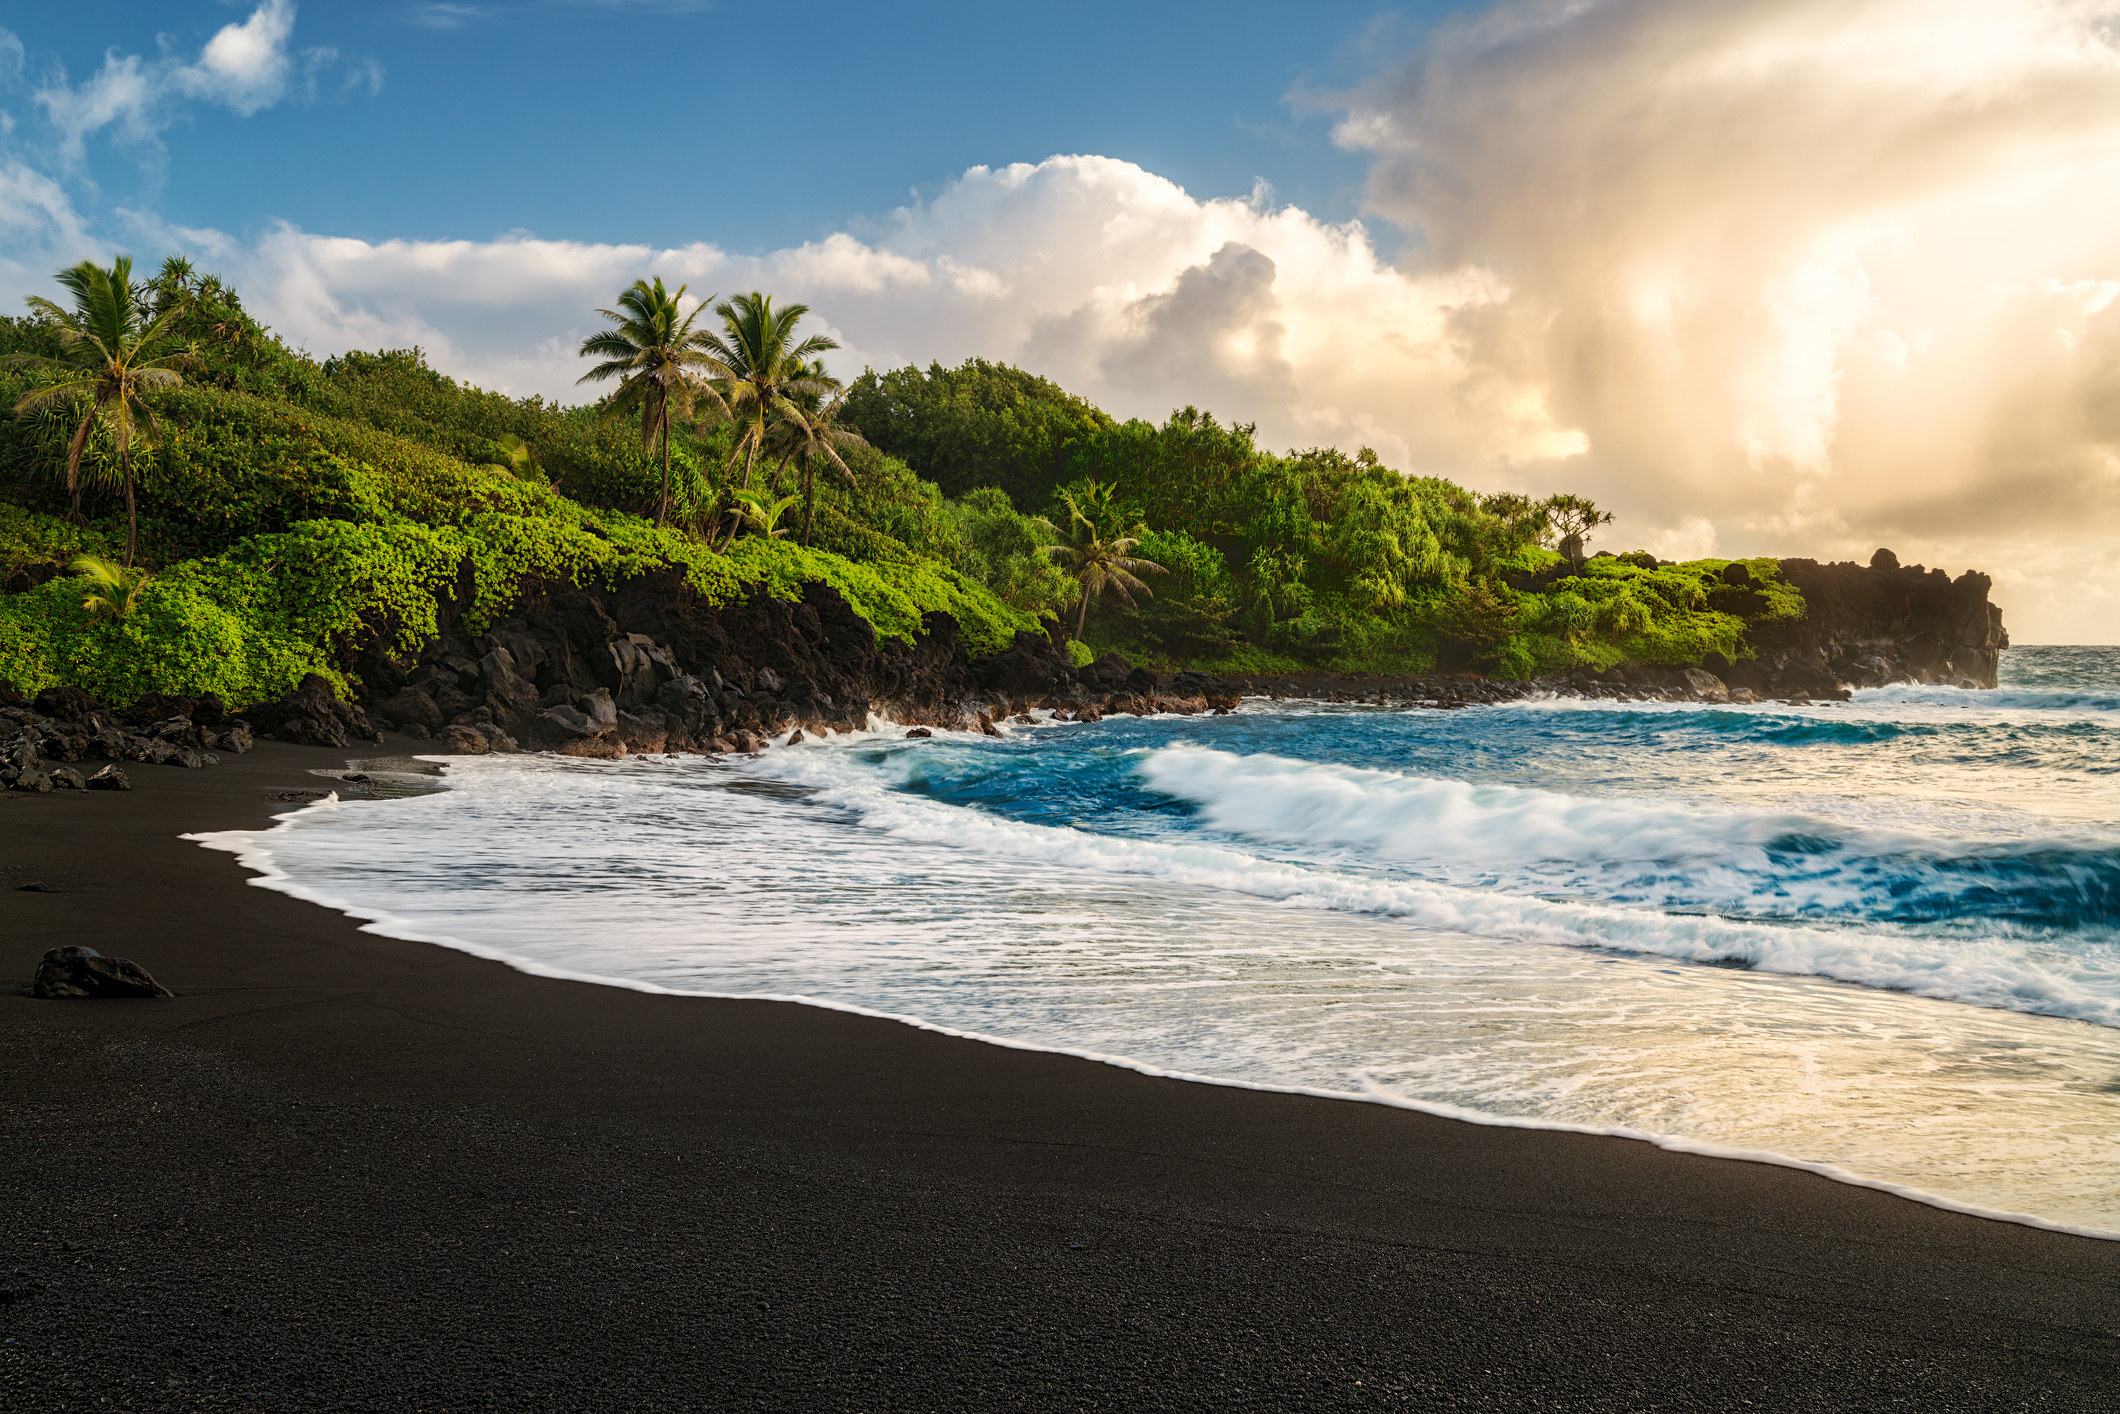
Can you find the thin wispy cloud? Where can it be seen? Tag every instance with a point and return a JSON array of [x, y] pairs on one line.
[[446, 16]]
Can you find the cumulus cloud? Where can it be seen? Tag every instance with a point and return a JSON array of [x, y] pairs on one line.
[[1820, 272], [245, 67]]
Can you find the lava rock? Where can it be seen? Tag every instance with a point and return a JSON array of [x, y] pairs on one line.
[[67, 778], [1707, 686], [412, 711], [84, 972], [918, 732], [65, 703], [313, 715], [31, 782]]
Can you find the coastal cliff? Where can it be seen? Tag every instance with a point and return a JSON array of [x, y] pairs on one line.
[[1867, 625], [652, 666]]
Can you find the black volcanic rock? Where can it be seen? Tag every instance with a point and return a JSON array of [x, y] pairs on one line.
[[313, 715], [1883, 622], [84, 972]]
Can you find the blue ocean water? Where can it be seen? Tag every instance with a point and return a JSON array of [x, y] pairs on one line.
[[1881, 938]]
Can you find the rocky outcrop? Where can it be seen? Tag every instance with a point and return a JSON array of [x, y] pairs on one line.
[[42, 742], [650, 667], [1868, 625]]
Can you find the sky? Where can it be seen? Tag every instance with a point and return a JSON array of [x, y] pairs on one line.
[[1797, 277]]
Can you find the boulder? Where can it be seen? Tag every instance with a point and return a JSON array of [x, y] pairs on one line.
[[1109, 672], [235, 739], [566, 723], [313, 715], [987, 727], [84, 972], [67, 778], [412, 711], [68, 704], [160, 707], [31, 781], [464, 740], [109, 778], [1706, 686], [645, 731], [917, 732]]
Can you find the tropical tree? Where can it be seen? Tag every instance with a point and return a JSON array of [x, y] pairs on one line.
[[815, 437], [1096, 551], [113, 591], [763, 371], [1572, 518], [664, 365], [113, 354], [759, 511], [519, 462]]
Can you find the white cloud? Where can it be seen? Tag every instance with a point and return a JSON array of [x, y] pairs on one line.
[[1106, 277], [244, 67], [1824, 271], [445, 16]]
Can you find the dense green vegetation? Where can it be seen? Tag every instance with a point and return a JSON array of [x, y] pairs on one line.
[[1310, 559], [289, 510]]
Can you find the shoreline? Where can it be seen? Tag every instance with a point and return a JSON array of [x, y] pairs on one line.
[[674, 1196], [267, 875]]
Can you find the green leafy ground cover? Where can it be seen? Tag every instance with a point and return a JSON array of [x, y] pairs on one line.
[[292, 509]]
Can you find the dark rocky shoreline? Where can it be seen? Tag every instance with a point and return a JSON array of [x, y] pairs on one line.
[[649, 667]]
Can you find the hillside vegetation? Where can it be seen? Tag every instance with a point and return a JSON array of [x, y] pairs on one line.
[[291, 510]]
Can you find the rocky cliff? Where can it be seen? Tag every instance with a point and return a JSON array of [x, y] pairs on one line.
[[651, 667], [1883, 622]]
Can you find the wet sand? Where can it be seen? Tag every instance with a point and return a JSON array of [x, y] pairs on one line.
[[341, 1171]]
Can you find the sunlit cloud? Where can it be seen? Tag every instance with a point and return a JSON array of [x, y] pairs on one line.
[[1830, 270]]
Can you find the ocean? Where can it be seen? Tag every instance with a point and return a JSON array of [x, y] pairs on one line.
[[1879, 939]]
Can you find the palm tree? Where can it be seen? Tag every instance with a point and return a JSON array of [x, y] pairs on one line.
[[760, 512], [1095, 551], [816, 437], [762, 369], [659, 358], [108, 361], [113, 592]]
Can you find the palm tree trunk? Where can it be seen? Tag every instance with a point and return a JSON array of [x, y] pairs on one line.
[[809, 502], [1082, 615], [662, 511], [132, 511]]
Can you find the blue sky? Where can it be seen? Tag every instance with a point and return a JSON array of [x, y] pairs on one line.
[[749, 126]]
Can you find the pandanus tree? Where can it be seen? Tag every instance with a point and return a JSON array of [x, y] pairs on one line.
[[1098, 550], [114, 351], [762, 371], [662, 363]]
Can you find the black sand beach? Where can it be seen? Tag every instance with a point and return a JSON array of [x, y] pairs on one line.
[[345, 1172]]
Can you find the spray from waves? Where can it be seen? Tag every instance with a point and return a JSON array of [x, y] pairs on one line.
[[2002, 699], [1743, 863], [2083, 984]]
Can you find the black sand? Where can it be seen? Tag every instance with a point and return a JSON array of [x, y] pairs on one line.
[[345, 1172]]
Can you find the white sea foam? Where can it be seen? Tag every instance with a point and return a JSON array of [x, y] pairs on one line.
[[1991, 972], [1379, 922], [707, 879]]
